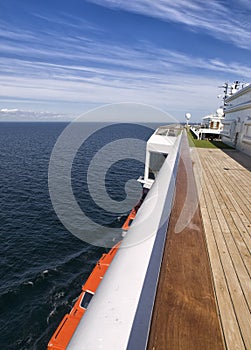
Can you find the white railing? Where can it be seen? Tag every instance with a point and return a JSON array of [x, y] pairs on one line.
[[196, 133], [110, 317]]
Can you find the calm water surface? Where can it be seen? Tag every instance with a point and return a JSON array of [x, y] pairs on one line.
[[42, 265]]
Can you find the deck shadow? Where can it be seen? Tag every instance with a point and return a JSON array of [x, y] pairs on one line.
[[240, 157]]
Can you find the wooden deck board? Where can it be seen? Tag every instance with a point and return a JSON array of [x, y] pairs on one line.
[[235, 198], [229, 322], [233, 174], [230, 194], [233, 242], [239, 231], [185, 314], [225, 207]]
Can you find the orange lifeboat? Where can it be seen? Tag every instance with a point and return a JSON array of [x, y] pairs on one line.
[[129, 220], [69, 323], [133, 212]]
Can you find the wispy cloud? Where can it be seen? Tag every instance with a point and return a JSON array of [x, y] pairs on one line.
[[152, 75], [219, 19], [82, 69], [6, 110], [149, 67], [11, 115]]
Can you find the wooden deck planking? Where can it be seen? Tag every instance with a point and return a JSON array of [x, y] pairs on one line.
[[231, 191], [226, 216], [185, 314], [233, 217], [238, 199], [233, 243], [233, 213], [230, 327], [236, 175], [238, 179]]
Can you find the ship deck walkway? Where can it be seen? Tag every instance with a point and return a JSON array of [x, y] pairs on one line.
[[203, 298], [224, 186], [185, 311]]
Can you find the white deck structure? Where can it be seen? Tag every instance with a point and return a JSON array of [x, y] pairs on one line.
[[158, 147], [211, 126], [237, 123]]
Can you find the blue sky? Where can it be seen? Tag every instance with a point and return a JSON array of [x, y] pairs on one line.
[[61, 58]]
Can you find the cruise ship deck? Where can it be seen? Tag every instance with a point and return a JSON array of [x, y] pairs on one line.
[[181, 278], [204, 292]]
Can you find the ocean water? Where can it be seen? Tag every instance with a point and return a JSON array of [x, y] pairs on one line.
[[42, 265]]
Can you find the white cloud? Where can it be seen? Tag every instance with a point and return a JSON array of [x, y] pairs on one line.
[[78, 70], [228, 22], [151, 75], [14, 114], [6, 110]]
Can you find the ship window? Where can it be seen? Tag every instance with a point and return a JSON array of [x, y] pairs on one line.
[[166, 131], [86, 300], [162, 131], [248, 131], [171, 132], [156, 162]]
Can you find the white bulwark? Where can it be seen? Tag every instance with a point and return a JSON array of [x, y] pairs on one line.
[[119, 314], [237, 122]]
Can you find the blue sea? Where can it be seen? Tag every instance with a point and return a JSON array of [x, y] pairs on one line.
[[43, 265]]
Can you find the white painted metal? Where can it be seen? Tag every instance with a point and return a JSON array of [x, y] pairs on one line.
[[109, 318], [212, 124], [237, 123], [159, 142]]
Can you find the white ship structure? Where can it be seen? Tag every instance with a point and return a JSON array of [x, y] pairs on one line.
[[237, 122], [176, 280], [211, 126]]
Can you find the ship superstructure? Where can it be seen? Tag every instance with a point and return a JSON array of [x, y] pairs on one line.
[[237, 122], [180, 278], [211, 126]]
